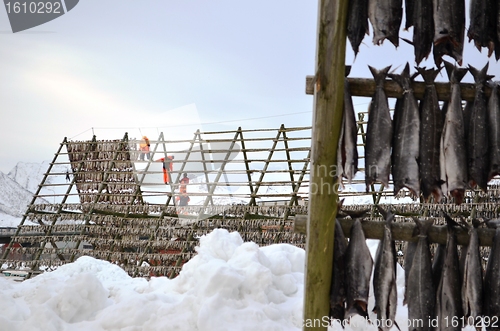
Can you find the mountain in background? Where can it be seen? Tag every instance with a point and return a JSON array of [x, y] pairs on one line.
[[17, 189]]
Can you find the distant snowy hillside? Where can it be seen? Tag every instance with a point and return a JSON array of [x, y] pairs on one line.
[[28, 175], [17, 189], [13, 200]]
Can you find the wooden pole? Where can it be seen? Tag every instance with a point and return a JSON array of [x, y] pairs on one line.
[[327, 118]]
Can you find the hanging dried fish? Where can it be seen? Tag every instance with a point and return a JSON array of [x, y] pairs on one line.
[[405, 150], [449, 29], [409, 13], [477, 144], [491, 303], [384, 276], [453, 162], [431, 122], [423, 30], [420, 289], [378, 134], [482, 24], [385, 17], [494, 131], [338, 286], [472, 285], [448, 298], [496, 38], [357, 23], [347, 156], [359, 264]]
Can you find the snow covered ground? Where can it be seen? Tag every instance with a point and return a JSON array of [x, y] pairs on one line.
[[229, 285]]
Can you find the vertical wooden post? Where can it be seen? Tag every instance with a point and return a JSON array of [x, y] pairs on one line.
[[327, 115]]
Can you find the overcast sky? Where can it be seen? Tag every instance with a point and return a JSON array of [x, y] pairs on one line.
[[111, 66]]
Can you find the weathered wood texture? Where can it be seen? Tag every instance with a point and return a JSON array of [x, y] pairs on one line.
[[402, 231], [327, 118], [363, 87]]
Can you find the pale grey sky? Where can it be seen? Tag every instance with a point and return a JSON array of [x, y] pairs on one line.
[[117, 66]]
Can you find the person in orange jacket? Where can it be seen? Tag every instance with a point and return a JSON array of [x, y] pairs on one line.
[[144, 148], [167, 168]]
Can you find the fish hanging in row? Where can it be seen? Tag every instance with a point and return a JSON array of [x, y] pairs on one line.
[[405, 145], [491, 303], [472, 284], [385, 17], [449, 29], [347, 151], [357, 22], [358, 270], [448, 294], [384, 276], [438, 25], [431, 127], [483, 25], [378, 134], [338, 283], [477, 140], [452, 157], [420, 291], [494, 131]]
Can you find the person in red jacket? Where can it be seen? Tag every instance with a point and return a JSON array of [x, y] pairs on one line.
[[168, 167]]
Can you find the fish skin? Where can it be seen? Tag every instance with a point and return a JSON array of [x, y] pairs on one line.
[[385, 17], [378, 134], [347, 156], [497, 39], [409, 13], [384, 276], [472, 284], [411, 247], [491, 303], [405, 150], [449, 29], [431, 127], [421, 289], [357, 23], [449, 297], [437, 264], [423, 30], [338, 285], [359, 264], [478, 162], [482, 24], [453, 158], [494, 131]]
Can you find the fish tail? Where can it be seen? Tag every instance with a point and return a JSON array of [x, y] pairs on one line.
[[429, 75], [423, 226], [455, 74], [450, 223], [379, 75], [480, 76]]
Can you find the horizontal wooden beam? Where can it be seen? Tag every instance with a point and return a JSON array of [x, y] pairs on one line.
[[363, 87], [403, 231]]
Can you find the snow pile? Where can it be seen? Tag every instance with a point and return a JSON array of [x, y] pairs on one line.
[[229, 285]]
